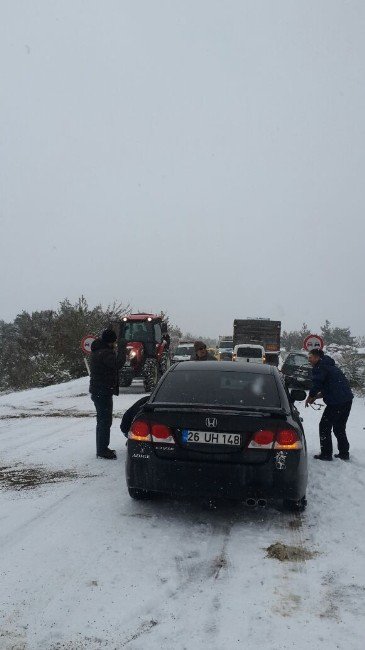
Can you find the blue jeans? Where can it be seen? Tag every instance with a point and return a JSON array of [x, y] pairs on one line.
[[104, 419]]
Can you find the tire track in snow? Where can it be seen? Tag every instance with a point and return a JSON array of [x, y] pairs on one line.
[[339, 594], [193, 571], [294, 574], [17, 534], [196, 575], [142, 629], [27, 439], [47, 595], [203, 581]]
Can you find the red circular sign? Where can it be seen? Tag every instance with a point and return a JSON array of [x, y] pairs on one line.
[[86, 342], [313, 341]]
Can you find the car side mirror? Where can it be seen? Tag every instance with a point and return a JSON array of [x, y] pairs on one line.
[[297, 395]]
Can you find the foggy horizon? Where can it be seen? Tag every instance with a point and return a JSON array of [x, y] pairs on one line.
[[201, 158]]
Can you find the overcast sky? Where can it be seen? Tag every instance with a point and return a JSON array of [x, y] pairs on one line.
[[204, 157]]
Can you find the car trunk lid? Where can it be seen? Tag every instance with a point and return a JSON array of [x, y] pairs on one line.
[[214, 435]]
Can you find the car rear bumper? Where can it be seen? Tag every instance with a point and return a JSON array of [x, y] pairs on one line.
[[283, 476]]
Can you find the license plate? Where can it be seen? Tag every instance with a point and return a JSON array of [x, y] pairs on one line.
[[210, 438]]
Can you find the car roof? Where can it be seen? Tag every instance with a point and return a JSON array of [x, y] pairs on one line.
[[224, 366], [249, 345]]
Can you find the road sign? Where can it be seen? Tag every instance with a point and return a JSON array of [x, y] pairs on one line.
[[86, 342], [313, 341]]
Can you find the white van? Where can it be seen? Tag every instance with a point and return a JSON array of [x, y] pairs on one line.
[[247, 353], [183, 352]]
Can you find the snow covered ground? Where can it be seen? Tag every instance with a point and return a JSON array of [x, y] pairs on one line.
[[84, 566]]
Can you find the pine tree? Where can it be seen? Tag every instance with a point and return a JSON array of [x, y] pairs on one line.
[[338, 335]]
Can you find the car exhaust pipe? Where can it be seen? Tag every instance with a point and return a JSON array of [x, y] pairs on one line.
[[251, 502], [262, 503]]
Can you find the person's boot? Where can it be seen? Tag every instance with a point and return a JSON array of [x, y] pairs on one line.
[[109, 454], [322, 457], [343, 456]]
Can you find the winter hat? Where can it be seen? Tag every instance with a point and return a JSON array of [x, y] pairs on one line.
[[108, 336], [199, 345]]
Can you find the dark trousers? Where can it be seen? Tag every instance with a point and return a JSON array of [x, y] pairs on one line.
[[104, 419], [334, 417]]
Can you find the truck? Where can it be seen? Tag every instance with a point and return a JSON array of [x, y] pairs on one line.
[[259, 331], [225, 348]]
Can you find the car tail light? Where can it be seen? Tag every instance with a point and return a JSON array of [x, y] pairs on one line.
[[287, 439], [162, 433], [140, 430], [262, 439]]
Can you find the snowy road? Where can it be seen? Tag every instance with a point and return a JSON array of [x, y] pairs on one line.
[[83, 566]]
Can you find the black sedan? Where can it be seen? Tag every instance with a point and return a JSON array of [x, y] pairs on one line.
[[297, 371], [219, 430]]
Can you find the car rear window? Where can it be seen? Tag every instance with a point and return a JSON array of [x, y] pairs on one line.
[[224, 388], [298, 360], [250, 353], [181, 351]]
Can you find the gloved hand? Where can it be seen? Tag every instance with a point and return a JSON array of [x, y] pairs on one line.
[[309, 401]]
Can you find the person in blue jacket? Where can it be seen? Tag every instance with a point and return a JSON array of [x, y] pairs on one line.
[[329, 382]]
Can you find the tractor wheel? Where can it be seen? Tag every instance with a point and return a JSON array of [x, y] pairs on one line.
[[165, 362], [150, 374], [124, 382]]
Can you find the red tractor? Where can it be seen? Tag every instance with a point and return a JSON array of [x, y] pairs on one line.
[[147, 349]]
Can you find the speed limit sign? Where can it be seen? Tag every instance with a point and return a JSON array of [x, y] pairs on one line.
[[313, 342], [86, 342]]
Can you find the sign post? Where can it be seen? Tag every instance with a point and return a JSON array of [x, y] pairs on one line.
[[85, 345], [313, 342]]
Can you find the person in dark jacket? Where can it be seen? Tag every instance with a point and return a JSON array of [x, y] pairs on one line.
[[130, 414], [104, 383], [329, 382], [201, 353]]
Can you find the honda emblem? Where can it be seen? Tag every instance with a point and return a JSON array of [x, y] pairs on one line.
[[211, 422]]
